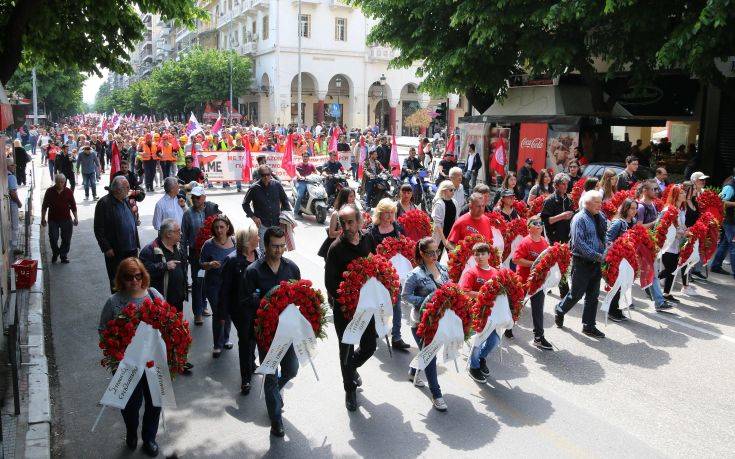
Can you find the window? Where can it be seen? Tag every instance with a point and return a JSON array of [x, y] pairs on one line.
[[305, 25], [340, 29], [265, 27]]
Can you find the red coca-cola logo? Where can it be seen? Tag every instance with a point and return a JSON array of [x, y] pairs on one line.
[[537, 142]]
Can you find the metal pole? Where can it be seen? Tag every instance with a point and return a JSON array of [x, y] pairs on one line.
[[298, 108], [230, 114], [35, 97]]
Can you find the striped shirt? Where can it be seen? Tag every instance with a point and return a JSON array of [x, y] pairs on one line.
[[586, 243]]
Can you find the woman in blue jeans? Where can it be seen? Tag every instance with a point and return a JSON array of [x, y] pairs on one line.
[[419, 287], [212, 258]]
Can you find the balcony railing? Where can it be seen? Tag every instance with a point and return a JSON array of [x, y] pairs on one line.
[[381, 53], [247, 49]]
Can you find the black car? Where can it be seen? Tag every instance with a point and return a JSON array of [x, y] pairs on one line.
[[597, 169]]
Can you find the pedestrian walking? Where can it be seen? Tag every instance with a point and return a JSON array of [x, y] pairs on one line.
[[727, 240], [171, 205], [89, 165], [59, 201], [115, 227], [21, 159], [65, 165], [557, 214], [15, 205], [264, 202]]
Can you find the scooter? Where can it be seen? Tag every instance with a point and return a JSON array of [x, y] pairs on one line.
[[384, 186], [314, 201], [424, 189], [340, 182]]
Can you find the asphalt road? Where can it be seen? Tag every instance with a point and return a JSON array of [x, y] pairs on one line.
[[659, 386]]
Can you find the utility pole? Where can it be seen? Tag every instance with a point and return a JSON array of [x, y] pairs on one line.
[[35, 97], [230, 114], [298, 108]]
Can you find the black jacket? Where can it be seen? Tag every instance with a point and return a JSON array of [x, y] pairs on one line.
[[105, 224], [233, 285], [64, 165], [340, 254]]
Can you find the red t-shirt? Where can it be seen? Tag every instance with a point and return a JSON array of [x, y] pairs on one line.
[[466, 225], [473, 279], [528, 249]]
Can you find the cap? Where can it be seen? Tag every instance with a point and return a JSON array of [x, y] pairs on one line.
[[529, 161], [507, 192], [699, 176], [197, 191]]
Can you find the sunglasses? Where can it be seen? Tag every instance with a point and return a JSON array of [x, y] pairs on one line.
[[131, 277], [451, 189], [536, 223], [432, 253]]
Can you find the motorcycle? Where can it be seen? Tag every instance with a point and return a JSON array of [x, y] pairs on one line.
[[340, 182], [384, 186], [314, 201], [424, 189]]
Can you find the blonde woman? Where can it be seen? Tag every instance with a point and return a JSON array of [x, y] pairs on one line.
[[608, 184], [443, 213]]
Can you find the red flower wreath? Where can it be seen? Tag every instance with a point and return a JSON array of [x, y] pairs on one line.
[[536, 205], [416, 223], [300, 293], [576, 193], [696, 232], [448, 296], [708, 248], [496, 220], [513, 229], [556, 254], [668, 218], [119, 332], [205, 232], [358, 272], [403, 245], [506, 282], [659, 204], [521, 208], [709, 201], [622, 248], [610, 206], [640, 235], [665, 193], [463, 251]]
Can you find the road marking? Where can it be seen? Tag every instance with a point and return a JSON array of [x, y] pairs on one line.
[[689, 326]]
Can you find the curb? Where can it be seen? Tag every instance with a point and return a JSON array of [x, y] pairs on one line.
[[38, 436]]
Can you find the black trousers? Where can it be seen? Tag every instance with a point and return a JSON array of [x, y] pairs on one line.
[[131, 412], [246, 344], [351, 359], [537, 314], [670, 262], [111, 263], [149, 170], [64, 229], [586, 276]]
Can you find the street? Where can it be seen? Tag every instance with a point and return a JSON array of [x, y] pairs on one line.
[[659, 385]]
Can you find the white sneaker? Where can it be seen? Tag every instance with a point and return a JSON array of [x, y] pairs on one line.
[[690, 290], [440, 404], [417, 381]]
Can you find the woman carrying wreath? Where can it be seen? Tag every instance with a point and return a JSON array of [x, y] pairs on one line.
[[472, 280], [132, 285], [443, 214], [670, 258], [425, 278]]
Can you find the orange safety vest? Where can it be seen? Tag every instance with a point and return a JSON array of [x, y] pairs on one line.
[[149, 152], [167, 153]]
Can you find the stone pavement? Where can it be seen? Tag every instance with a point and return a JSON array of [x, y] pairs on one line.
[[659, 385]]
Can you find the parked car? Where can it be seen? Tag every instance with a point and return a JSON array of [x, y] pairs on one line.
[[597, 169]]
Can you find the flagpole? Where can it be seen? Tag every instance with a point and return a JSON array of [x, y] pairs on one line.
[[298, 107], [35, 98]]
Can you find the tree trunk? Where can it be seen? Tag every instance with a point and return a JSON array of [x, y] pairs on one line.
[[12, 43], [597, 92], [479, 100]]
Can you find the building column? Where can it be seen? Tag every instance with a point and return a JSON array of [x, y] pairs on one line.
[[424, 100], [452, 102], [321, 95], [393, 103]]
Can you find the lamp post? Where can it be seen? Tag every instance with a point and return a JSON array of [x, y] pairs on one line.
[[298, 108], [382, 105], [338, 83]]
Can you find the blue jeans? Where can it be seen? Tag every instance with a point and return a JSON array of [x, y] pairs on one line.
[[656, 293], [300, 192], [238, 183], [274, 383], [726, 245], [90, 181], [52, 168], [355, 168], [484, 349], [197, 290], [397, 315], [430, 369]]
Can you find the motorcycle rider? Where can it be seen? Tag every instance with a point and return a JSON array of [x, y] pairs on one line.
[[371, 170], [411, 165], [330, 169], [303, 170]]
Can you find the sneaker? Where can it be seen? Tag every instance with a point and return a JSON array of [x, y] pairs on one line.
[[356, 377], [559, 320], [229, 345], [670, 298], [54, 258], [207, 312], [689, 290], [719, 271], [476, 374], [483, 368], [417, 381], [593, 332], [541, 343], [616, 316], [64, 260], [440, 404], [400, 345], [508, 333], [198, 320], [216, 353], [664, 306], [698, 275]]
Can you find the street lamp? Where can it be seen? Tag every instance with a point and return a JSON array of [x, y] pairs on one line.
[[338, 83], [382, 105]]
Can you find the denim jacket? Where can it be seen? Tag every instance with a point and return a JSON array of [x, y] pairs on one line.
[[419, 284]]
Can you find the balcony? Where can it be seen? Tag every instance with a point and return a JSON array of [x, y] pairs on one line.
[[262, 5], [338, 4], [184, 33], [381, 53], [247, 49]]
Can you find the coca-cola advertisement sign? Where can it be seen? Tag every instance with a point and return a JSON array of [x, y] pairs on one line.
[[533, 144]]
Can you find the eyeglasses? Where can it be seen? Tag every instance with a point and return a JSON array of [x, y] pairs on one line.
[[431, 253], [450, 189], [131, 277], [278, 246], [265, 175]]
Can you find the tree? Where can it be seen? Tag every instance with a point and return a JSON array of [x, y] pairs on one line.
[[475, 46], [105, 30], [58, 89]]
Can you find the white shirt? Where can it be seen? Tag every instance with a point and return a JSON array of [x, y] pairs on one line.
[[167, 207], [459, 199]]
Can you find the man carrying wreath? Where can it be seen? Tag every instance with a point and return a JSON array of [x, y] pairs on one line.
[[351, 244], [260, 278]]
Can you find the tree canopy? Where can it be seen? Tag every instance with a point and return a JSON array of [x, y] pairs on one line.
[[178, 86], [476, 46], [59, 89], [87, 33]]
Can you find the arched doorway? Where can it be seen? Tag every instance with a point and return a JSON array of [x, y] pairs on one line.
[[337, 102], [378, 105], [409, 105], [309, 89]]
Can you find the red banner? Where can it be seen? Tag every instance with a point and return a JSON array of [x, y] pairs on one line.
[[532, 144]]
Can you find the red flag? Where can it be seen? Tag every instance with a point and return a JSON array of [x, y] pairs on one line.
[[395, 166], [333, 139], [498, 158], [115, 165], [363, 156], [287, 160], [450, 144], [217, 125], [247, 161], [194, 155]]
